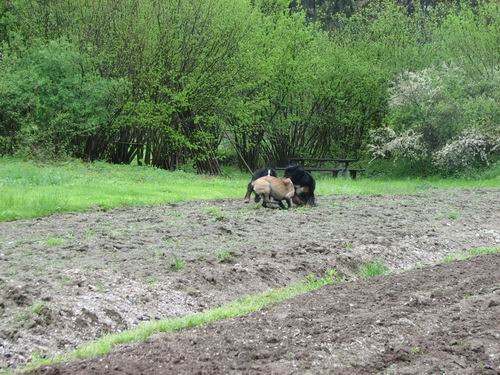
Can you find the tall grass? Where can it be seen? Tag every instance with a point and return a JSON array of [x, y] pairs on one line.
[[32, 190]]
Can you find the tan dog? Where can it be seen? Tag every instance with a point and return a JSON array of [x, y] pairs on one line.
[[278, 188]]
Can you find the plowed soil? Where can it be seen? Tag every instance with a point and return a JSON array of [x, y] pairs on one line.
[[436, 320], [69, 278]]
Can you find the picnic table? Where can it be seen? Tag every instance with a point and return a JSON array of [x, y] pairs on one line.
[[316, 164]]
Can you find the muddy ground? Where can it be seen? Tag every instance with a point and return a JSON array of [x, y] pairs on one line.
[[70, 278], [435, 320]]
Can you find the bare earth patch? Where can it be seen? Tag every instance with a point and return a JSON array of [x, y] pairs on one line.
[[435, 320], [70, 278]]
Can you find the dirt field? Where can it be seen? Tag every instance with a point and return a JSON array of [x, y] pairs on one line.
[[69, 278], [435, 320]]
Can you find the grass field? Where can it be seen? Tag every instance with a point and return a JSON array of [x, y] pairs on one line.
[[31, 190]]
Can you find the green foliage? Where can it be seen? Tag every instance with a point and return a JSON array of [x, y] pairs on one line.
[[50, 99], [224, 256], [38, 307], [22, 316], [175, 84], [54, 241], [469, 38], [177, 264], [372, 269], [442, 118], [445, 113]]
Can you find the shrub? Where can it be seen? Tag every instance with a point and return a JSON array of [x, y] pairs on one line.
[[50, 99], [386, 144], [472, 149], [443, 117]]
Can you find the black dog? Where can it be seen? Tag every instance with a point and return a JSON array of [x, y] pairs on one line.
[[304, 185], [258, 174]]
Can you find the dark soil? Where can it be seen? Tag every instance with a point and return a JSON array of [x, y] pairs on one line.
[[66, 279], [435, 320]]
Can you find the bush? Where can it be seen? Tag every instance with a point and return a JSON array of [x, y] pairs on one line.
[[441, 116], [470, 150], [50, 98], [387, 144]]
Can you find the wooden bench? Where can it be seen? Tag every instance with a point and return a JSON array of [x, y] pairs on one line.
[[336, 172]]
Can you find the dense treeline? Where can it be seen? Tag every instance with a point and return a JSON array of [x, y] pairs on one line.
[[172, 82]]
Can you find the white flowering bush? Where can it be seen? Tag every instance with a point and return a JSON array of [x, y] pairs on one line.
[[424, 103], [471, 149], [442, 117], [379, 139], [415, 88], [387, 144]]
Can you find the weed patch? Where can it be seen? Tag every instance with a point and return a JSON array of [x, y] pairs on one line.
[[38, 308], [348, 245], [372, 269], [54, 241], [224, 256], [22, 316], [177, 264], [215, 212]]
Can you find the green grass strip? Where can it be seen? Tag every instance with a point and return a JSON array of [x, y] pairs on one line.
[[32, 190], [471, 253], [240, 307]]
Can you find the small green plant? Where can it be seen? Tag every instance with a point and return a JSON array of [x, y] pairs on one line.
[[38, 307], [224, 256], [250, 207], [177, 264], [152, 281], [65, 280], [173, 213], [452, 215], [22, 316], [331, 276], [311, 278], [99, 286], [416, 350], [348, 245], [215, 212], [54, 241], [372, 269]]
